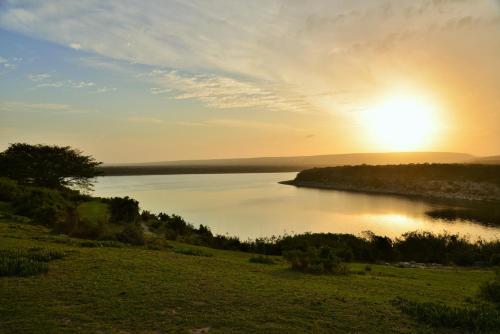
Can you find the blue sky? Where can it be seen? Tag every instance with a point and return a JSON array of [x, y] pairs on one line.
[[166, 80]]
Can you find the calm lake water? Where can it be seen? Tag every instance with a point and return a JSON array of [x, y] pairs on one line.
[[255, 205]]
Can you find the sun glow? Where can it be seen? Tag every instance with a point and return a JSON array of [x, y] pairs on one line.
[[402, 122]]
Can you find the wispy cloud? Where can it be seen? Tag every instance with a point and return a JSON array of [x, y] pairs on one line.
[[107, 89], [43, 80], [75, 46], [19, 106], [66, 84], [224, 92], [159, 90], [38, 77], [7, 65]]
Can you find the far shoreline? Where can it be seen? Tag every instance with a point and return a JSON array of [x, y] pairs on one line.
[[447, 208], [428, 197], [137, 171]]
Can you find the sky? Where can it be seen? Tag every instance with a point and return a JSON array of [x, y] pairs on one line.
[[132, 81]]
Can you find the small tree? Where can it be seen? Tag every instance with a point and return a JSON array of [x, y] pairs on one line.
[[48, 166]]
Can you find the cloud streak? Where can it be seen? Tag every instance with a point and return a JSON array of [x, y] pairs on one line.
[[43, 80], [38, 77], [224, 92], [20, 106]]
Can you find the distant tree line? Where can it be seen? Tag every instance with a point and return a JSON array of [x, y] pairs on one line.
[[404, 173]]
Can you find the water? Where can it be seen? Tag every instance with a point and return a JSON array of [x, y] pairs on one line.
[[255, 205]]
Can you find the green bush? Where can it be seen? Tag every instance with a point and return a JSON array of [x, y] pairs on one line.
[[261, 259], [131, 234], [495, 259], [44, 255], [491, 290], [15, 262], [444, 248], [21, 266], [45, 206], [123, 210], [192, 251], [86, 228], [9, 190], [418, 246], [100, 243], [477, 318], [157, 244], [316, 261]]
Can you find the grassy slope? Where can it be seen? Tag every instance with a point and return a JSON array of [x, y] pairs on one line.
[[138, 290]]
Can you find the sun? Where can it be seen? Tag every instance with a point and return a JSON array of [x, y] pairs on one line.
[[402, 122]]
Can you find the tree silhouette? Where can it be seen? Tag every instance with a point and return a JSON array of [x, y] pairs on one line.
[[48, 166]]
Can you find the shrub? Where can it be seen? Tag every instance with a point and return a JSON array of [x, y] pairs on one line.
[[491, 290], [176, 224], [102, 243], [478, 318], [45, 206], [21, 266], [495, 259], [131, 234], [146, 216], [230, 243], [44, 255], [413, 246], [158, 244], [192, 251], [170, 234], [261, 259], [59, 239], [85, 228], [316, 261], [440, 248], [123, 210], [9, 190], [14, 262]]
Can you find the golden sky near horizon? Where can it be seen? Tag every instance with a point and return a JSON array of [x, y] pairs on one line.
[[165, 80]]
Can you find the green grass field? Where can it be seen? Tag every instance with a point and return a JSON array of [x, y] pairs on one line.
[[139, 290]]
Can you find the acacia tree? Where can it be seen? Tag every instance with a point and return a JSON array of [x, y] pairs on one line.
[[48, 166]]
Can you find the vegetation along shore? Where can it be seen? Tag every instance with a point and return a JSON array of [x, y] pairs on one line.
[[70, 262]]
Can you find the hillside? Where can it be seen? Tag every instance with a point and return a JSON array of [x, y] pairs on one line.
[[163, 290], [281, 164]]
